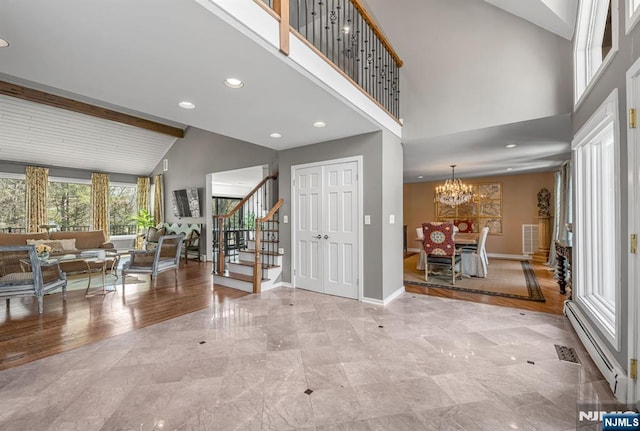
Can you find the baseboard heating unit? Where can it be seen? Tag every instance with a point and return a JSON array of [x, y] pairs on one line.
[[608, 366]]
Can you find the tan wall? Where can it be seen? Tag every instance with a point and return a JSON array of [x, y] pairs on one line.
[[519, 206]]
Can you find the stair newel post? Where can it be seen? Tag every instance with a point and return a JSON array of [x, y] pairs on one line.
[[257, 267], [221, 242]]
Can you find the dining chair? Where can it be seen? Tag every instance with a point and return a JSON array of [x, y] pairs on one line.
[[464, 226], [475, 261], [440, 248]]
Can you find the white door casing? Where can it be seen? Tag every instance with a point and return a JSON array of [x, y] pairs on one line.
[[327, 204], [633, 282]]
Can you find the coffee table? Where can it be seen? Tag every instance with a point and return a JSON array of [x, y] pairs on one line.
[[93, 261]]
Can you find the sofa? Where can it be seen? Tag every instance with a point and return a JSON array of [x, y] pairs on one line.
[[61, 243]]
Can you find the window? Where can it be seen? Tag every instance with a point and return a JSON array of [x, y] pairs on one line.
[[224, 205], [69, 204], [632, 14], [596, 231], [596, 42], [122, 206], [12, 195]]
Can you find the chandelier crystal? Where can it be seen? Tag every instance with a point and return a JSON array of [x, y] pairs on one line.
[[453, 192]]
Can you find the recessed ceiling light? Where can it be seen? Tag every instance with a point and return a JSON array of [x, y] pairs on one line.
[[233, 83], [186, 105], [509, 169], [510, 146], [319, 124], [346, 29], [3, 43], [276, 135], [420, 177]]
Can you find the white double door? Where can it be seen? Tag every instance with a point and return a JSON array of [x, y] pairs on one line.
[[326, 229]]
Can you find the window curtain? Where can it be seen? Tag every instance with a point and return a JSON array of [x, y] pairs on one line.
[[100, 203], [562, 209], [158, 201], [143, 193], [37, 181]]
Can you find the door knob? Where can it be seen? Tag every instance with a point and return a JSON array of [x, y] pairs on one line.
[[318, 236], [326, 237]]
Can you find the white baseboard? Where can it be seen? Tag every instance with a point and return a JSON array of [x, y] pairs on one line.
[[415, 250], [509, 256], [283, 284], [385, 301], [598, 351]]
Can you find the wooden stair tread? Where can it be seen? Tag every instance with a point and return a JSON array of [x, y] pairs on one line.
[[237, 276], [272, 241], [251, 263]]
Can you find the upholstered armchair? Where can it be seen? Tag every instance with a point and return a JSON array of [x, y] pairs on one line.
[[22, 274], [164, 257], [440, 248]]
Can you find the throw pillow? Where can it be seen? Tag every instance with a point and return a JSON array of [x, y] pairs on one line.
[[154, 234], [68, 244], [193, 238], [56, 246]]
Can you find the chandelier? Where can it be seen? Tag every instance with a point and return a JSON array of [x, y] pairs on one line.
[[453, 192]]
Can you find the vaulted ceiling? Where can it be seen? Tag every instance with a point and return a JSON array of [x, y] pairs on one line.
[[475, 78]]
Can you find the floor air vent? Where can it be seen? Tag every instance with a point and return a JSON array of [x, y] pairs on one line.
[[567, 354]]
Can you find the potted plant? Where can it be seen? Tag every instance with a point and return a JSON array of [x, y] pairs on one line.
[[143, 220]]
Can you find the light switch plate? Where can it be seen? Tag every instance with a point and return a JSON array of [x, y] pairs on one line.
[[285, 219], [367, 219], [392, 219]]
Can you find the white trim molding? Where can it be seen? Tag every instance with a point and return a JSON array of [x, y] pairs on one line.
[[587, 46], [632, 15], [388, 300], [596, 251], [600, 354], [633, 199]]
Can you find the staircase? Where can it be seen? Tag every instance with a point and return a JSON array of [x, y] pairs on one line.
[[246, 253]]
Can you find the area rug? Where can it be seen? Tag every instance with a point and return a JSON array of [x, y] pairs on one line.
[[506, 278]]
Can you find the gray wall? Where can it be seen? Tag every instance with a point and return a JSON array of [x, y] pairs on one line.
[[491, 67], [392, 204], [370, 146], [200, 153], [615, 77]]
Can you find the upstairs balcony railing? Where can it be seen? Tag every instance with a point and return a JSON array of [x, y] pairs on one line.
[[346, 35]]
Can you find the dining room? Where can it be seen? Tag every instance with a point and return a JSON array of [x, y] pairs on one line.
[[501, 270]]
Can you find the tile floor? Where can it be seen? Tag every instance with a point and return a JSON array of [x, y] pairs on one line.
[[421, 363]]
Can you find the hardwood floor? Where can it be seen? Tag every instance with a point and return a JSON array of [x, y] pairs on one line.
[[25, 336], [554, 300]]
